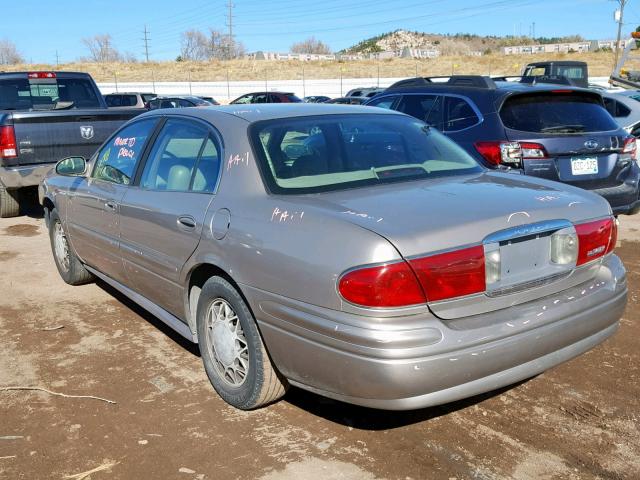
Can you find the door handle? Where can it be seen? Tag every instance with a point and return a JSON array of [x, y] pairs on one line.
[[187, 221], [110, 206]]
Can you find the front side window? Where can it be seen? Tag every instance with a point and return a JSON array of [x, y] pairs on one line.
[[427, 108], [243, 100], [183, 158], [117, 160], [332, 152], [384, 102]]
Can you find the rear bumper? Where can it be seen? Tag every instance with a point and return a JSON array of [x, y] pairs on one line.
[[24, 176], [624, 199], [407, 363]]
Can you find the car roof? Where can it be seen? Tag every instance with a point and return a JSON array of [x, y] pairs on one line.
[[271, 111], [573, 63]]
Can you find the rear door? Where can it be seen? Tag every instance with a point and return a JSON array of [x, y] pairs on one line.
[[582, 141], [162, 216], [94, 204]]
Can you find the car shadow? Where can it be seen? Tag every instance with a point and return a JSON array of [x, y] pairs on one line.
[[372, 419], [353, 416], [149, 317]]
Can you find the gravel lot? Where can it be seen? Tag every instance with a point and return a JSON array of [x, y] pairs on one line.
[[577, 421]]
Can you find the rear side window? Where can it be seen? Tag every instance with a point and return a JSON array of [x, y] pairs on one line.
[[113, 100], [331, 152], [570, 72], [117, 160], [183, 158], [459, 114], [292, 98], [615, 108], [47, 94], [556, 113]]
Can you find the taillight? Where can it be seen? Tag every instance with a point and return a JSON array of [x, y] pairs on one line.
[[8, 142], [595, 239], [451, 274], [393, 285], [510, 153], [629, 146], [614, 236]]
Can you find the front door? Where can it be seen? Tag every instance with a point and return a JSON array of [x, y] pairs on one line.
[[161, 219], [93, 219]]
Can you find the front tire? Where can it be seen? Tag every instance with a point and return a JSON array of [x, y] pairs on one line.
[[69, 265], [232, 350]]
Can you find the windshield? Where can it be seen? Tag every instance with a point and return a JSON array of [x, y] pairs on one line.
[[47, 94], [556, 113], [331, 152]]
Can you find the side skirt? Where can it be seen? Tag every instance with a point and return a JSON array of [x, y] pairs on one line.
[[167, 318]]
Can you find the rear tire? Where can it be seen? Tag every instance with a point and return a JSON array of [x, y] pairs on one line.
[[232, 350], [9, 204], [69, 265]]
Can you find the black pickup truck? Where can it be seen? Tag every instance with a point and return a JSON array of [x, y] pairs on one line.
[[44, 117]]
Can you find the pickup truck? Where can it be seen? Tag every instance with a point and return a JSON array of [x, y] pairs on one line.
[[46, 116]]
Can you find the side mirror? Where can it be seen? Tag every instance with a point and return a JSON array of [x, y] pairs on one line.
[[71, 166]]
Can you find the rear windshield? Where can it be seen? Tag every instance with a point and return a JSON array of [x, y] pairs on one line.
[[147, 97], [121, 100], [556, 113], [332, 152], [47, 94]]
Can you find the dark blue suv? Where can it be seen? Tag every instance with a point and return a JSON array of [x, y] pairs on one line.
[[557, 132]]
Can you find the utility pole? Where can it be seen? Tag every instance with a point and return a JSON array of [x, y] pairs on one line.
[[106, 55], [230, 49], [618, 17], [533, 27], [146, 44], [57, 59]]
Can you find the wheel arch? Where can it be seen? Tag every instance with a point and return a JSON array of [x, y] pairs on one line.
[[196, 279]]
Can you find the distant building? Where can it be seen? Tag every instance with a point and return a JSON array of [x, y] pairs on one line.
[[308, 57], [585, 46]]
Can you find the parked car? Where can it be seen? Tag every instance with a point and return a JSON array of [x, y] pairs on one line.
[[128, 99], [624, 107], [178, 101], [364, 92], [561, 133], [316, 99], [348, 100], [46, 116], [211, 100], [354, 252], [266, 97]]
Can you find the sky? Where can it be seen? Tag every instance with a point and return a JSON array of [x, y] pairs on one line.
[[275, 24]]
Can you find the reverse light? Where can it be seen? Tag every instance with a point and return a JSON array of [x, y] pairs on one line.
[[8, 142], [564, 247], [392, 285], [595, 239], [510, 153], [492, 265], [629, 146]]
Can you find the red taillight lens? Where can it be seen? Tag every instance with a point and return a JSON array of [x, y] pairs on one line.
[[8, 142], [393, 285], [614, 235], [510, 153], [451, 274], [490, 151], [595, 239]]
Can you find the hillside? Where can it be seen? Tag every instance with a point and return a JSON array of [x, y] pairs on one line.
[[262, 72], [458, 44]]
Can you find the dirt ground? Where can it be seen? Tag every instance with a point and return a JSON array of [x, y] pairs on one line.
[[578, 421]]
